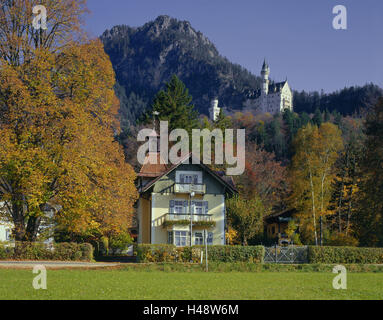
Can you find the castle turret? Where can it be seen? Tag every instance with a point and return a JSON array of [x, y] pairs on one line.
[[265, 78], [214, 110]]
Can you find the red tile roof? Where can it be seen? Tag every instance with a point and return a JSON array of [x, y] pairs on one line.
[[150, 169]]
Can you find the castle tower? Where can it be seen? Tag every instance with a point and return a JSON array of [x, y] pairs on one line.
[[265, 78], [214, 110]]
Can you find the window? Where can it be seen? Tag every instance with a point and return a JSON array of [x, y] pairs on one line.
[[181, 238], [200, 207], [178, 206], [188, 177], [8, 234], [198, 238]]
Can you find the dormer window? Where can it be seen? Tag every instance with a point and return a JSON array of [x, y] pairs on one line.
[[189, 177]]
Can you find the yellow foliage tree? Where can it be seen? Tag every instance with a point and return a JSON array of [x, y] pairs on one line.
[[312, 174], [58, 117]]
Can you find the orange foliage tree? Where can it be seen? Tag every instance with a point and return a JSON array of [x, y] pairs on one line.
[[58, 118]]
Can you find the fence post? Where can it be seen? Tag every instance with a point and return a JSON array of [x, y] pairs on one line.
[[276, 254]]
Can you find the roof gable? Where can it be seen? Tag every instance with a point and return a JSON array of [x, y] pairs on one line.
[[226, 181]]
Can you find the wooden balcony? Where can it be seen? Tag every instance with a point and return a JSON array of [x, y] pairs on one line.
[[186, 217], [198, 188]]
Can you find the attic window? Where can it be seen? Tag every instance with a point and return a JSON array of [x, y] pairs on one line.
[[189, 177]]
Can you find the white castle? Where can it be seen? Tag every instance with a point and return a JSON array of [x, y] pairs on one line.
[[272, 98], [214, 110]]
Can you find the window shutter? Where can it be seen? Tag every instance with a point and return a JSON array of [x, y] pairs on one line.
[[171, 206], [210, 238], [185, 206], [206, 207], [182, 178], [195, 179]]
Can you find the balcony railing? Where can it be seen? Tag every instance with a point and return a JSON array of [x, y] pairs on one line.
[[186, 216], [189, 187]]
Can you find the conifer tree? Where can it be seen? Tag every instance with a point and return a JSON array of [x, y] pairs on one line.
[[318, 118], [174, 104], [370, 214]]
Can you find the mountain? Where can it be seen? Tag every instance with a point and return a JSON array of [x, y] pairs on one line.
[[145, 58]]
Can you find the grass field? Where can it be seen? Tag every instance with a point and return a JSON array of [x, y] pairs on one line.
[[133, 284]]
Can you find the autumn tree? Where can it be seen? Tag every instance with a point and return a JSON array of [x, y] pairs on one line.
[[19, 39], [245, 216], [57, 125], [264, 177], [312, 173]]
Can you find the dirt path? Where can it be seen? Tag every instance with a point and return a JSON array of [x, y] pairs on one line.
[[55, 264]]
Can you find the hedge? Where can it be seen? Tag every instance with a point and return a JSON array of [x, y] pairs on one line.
[[171, 253], [40, 251], [345, 255]]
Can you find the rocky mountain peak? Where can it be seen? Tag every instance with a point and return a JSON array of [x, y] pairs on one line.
[[144, 58]]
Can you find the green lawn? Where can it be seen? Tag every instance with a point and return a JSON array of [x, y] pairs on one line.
[[129, 284]]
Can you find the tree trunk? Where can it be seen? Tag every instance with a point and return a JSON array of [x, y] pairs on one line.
[[313, 208], [19, 212], [18, 220], [340, 206], [349, 210], [32, 229]]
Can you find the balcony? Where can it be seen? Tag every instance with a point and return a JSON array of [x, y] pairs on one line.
[[202, 220], [189, 188]]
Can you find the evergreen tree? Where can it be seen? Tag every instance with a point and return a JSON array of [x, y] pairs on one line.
[[318, 118], [222, 121], [327, 116], [370, 214], [305, 119], [174, 105], [346, 183]]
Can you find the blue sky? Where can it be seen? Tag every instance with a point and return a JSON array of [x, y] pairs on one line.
[[295, 36]]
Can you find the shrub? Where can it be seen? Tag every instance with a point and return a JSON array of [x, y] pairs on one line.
[[41, 251], [236, 253], [156, 253], [120, 242], [87, 251], [170, 253], [341, 239], [5, 251], [345, 255]]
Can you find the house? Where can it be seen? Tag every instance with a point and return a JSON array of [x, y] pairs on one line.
[[275, 225], [182, 199], [46, 226], [5, 231]]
